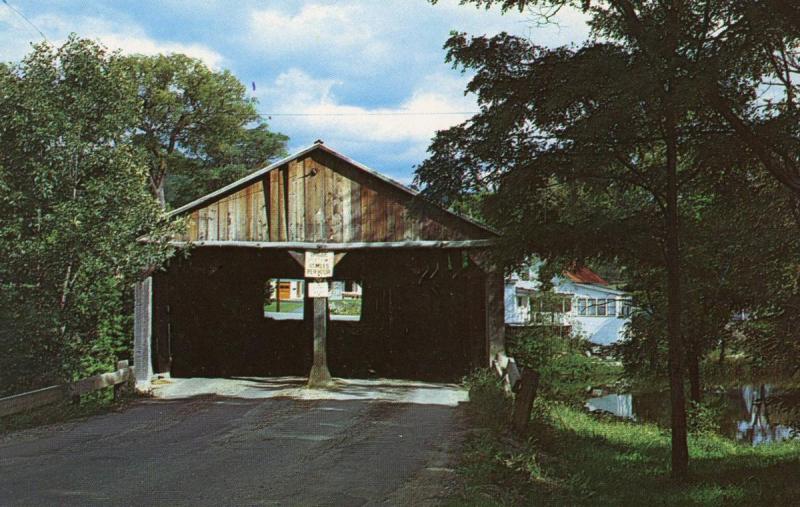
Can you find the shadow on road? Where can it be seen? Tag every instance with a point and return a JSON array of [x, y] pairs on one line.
[[211, 449]]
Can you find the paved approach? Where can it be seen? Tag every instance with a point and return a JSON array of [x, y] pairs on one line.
[[245, 449]]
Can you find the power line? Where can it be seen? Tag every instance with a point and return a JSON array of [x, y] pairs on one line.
[[23, 16], [394, 113]]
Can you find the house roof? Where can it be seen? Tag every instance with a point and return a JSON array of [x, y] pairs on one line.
[[318, 145], [585, 275]]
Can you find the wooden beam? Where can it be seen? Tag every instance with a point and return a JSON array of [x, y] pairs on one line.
[[143, 333], [317, 246], [92, 384], [299, 257], [33, 399], [495, 315], [494, 304], [53, 394], [320, 376], [338, 257]]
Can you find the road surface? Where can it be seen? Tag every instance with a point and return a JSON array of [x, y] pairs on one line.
[[226, 450]]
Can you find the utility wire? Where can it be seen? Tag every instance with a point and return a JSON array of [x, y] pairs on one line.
[[395, 113], [23, 16]]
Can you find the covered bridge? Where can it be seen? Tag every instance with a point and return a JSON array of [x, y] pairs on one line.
[[431, 304]]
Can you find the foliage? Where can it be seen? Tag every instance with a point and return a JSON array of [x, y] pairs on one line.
[[74, 199], [566, 368], [738, 60], [703, 418], [748, 220], [197, 126], [346, 307], [489, 403]]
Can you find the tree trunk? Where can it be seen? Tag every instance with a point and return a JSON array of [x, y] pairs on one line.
[[162, 200], [695, 382], [158, 177], [680, 449]]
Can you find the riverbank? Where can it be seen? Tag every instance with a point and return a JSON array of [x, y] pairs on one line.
[[576, 458], [734, 371]]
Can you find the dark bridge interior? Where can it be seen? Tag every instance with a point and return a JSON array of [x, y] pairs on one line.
[[422, 316]]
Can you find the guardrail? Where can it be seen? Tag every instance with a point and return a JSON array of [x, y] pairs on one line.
[[72, 390]]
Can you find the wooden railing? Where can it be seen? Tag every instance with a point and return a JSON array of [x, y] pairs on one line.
[[72, 390]]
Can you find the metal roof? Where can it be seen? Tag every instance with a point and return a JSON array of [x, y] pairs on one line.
[[584, 275]]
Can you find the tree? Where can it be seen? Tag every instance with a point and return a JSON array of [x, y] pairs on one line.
[[194, 126], [254, 149], [73, 196], [738, 246], [641, 104]]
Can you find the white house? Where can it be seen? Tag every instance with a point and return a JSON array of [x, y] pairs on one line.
[[582, 303]]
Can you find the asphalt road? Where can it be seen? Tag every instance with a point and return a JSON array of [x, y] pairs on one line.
[[212, 450]]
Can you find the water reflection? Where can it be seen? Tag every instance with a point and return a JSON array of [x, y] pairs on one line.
[[754, 414]]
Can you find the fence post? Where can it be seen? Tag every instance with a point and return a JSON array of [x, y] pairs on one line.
[[523, 403], [121, 365]]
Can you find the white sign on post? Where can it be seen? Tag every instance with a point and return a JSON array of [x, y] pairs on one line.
[[318, 289], [319, 265], [337, 291]]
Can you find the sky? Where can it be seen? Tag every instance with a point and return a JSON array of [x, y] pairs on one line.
[[367, 77]]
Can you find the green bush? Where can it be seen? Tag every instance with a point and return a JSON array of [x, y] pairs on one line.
[[346, 307], [74, 198], [702, 418], [489, 405], [566, 368]]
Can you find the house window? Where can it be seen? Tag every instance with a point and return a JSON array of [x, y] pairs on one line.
[[523, 302], [598, 307], [625, 310]]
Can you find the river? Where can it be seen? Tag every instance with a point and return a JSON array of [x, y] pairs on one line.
[[753, 414]]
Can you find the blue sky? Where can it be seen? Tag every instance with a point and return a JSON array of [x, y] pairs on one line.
[[368, 77]]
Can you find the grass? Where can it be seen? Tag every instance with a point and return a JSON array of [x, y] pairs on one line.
[[343, 307], [346, 307], [575, 458], [286, 306]]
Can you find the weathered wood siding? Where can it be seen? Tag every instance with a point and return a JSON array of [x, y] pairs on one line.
[[321, 198]]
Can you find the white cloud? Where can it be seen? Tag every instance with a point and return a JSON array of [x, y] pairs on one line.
[[346, 30], [140, 44], [321, 114], [130, 38]]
